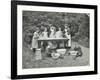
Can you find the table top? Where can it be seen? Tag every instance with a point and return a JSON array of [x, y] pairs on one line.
[[46, 39]]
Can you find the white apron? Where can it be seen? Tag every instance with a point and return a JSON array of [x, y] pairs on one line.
[[35, 40], [69, 41], [68, 36]]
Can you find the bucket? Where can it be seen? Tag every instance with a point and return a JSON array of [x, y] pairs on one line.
[[38, 55]]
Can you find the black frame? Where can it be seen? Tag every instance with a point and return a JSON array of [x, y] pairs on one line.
[[14, 39]]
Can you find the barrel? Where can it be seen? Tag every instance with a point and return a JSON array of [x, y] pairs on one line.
[[38, 55]]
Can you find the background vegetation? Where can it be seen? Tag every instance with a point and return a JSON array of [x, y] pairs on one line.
[[77, 22]]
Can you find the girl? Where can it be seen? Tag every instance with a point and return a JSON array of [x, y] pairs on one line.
[[59, 33], [68, 36], [44, 36], [53, 35], [45, 33], [35, 40], [52, 30]]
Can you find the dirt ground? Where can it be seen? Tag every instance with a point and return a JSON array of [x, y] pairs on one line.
[[28, 59]]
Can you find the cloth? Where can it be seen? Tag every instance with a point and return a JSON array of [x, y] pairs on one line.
[[52, 45], [69, 41]]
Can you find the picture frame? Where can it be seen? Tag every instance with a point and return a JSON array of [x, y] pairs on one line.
[[19, 8]]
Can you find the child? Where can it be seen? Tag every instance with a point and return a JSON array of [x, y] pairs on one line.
[[59, 33], [44, 36], [35, 40], [68, 36], [52, 30], [52, 35], [66, 30], [69, 41], [45, 33]]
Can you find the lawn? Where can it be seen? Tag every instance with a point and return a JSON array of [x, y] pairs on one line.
[[28, 59]]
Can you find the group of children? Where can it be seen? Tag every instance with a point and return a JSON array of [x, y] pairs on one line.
[[52, 33], [49, 46]]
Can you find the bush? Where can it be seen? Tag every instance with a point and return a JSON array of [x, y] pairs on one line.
[[77, 22]]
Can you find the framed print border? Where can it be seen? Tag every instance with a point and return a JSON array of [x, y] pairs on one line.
[[14, 50]]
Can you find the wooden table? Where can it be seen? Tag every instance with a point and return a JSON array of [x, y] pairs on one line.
[[52, 39]]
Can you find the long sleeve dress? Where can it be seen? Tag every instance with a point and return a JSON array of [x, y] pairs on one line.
[[59, 34], [52, 34], [35, 40], [45, 35], [68, 36]]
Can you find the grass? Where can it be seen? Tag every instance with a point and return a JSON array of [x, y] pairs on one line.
[[29, 61]]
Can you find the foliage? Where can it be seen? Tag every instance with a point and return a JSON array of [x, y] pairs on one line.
[[77, 22]]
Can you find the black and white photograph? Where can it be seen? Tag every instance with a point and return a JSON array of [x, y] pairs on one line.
[[53, 39]]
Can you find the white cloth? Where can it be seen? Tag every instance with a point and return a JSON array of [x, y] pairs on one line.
[[69, 41], [66, 34]]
